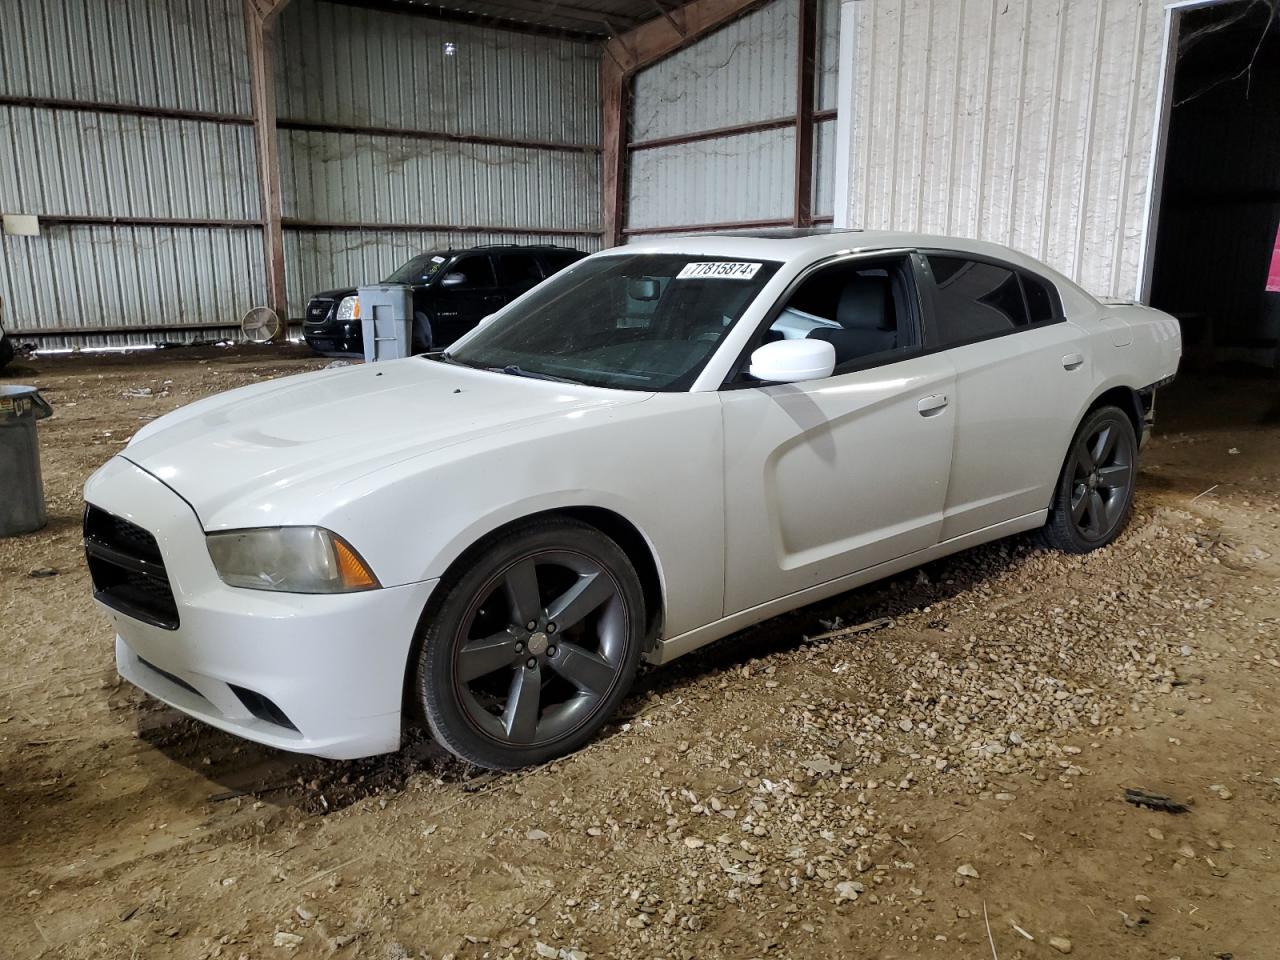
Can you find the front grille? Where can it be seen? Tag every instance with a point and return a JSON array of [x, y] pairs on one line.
[[127, 569], [318, 310]]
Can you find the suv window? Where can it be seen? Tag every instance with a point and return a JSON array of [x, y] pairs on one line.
[[518, 270], [556, 261], [863, 308], [476, 272], [973, 299]]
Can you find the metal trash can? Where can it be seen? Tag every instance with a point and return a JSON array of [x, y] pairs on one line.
[[386, 321], [21, 490]]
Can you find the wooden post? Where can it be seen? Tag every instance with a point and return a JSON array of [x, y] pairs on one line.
[[808, 55], [628, 52], [259, 21]]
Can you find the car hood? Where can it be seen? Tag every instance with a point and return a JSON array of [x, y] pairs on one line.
[[334, 294], [258, 454]]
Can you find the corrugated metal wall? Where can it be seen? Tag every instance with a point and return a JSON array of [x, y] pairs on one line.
[[344, 66], [185, 55], [744, 73], [1024, 122]]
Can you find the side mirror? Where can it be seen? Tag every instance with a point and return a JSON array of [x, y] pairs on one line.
[[791, 361], [454, 279]]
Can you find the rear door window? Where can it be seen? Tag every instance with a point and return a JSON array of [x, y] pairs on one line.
[[519, 270], [973, 299]]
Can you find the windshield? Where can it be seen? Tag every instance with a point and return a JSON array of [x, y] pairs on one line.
[[420, 269], [645, 321]]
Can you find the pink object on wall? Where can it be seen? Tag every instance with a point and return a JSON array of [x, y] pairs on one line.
[[1273, 275]]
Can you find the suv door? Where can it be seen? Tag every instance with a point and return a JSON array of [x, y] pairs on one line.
[[1022, 372], [829, 477], [465, 294]]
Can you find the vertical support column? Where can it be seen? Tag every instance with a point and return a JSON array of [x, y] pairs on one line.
[[615, 86], [259, 20], [806, 67]]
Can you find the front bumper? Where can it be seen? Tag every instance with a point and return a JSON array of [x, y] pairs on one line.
[[335, 337], [314, 674]]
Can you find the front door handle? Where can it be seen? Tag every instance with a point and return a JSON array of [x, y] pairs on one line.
[[932, 405], [1073, 361]]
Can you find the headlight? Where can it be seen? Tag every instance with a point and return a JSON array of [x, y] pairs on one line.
[[349, 308], [290, 560]]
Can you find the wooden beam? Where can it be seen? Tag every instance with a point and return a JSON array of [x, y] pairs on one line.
[[259, 21], [807, 66], [632, 51]]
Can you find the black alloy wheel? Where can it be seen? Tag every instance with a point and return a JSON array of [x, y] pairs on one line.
[[1095, 491], [533, 647]]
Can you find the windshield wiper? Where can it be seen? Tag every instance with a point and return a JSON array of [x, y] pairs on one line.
[[515, 371]]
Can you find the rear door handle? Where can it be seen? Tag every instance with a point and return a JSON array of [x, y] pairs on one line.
[[1072, 361], [932, 405]]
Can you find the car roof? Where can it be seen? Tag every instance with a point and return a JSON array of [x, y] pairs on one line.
[[501, 248], [816, 243]]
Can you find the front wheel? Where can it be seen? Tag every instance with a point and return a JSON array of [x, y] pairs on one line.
[[1094, 497], [533, 646]]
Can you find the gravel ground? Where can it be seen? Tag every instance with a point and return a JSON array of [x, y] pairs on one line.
[[946, 782]]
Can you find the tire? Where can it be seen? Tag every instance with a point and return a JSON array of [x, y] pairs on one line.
[[503, 696], [1094, 496], [420, 337]]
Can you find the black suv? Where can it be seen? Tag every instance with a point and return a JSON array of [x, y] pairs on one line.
[[453, 290]]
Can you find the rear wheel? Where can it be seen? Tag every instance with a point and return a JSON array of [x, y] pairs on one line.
[[1095, 491], [533, 647]]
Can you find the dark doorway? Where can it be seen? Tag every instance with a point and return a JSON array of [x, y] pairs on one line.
[[1220, 196]]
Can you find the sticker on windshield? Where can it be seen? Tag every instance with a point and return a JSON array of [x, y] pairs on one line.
[[718, 270]]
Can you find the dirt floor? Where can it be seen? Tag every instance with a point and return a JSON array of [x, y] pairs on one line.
[[950, 785]]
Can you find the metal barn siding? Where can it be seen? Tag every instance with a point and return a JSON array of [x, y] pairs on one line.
[[728, 179], [1024, 122], [739, 74], [175, 54], [382, 127], [743, 74], [344, 65], [64, 162], [78, 277], [72, 151]]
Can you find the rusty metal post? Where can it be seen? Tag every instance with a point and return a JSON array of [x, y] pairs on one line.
[[808, 55], [259, 20]]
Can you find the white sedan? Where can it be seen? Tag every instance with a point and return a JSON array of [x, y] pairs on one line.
[[662, 445]]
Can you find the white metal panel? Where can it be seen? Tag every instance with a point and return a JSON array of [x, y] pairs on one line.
[[179, 54], [109, 276], [1025, 122], [739, 74], [824, 161], [344, 64], [115, 165], [357, 178], [744, 177]]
